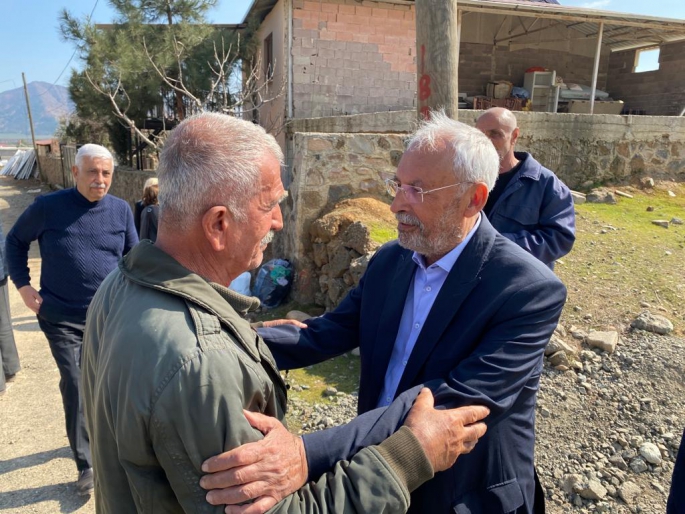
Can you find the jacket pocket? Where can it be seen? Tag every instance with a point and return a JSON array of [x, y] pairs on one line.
[[518, 215], [497, 499]]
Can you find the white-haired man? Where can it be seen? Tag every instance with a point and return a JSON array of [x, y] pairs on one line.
[[452, 305], [172, 374], [82, 232]]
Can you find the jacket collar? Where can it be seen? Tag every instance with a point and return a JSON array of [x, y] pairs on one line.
[[149, 266], [461, 280], [530, 168]]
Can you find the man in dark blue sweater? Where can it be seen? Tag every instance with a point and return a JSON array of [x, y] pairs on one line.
[[82, 233]]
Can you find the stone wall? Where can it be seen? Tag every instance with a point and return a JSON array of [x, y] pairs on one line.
[[578, 147], [329, 165], [128, 184], [328, 168], [658, 93]]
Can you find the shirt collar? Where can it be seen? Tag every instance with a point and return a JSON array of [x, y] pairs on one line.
[[448, 260]]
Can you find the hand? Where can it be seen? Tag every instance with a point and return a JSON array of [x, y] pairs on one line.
[[31, 298], [445, 434], [277, 322], [268, 470]]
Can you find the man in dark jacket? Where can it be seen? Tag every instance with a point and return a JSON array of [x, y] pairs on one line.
[[82, 232], [676, 498], [528, 205]]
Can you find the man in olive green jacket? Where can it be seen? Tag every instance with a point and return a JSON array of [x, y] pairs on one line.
[[170, 366]]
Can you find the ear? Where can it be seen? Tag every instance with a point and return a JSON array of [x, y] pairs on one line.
[[216, 224], [477, 199], [514, 136], [74, 170]]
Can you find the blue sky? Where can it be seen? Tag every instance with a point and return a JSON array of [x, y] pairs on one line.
[[30, 40]]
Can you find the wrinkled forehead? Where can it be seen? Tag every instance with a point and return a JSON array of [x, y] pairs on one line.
[[496, 122], [424, 166]]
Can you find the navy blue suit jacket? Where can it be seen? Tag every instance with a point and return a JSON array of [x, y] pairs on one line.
[[482, 343]]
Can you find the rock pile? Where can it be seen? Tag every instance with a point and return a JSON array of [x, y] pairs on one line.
[[342, 245]]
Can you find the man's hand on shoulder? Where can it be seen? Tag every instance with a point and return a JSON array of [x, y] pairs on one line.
[[31, 298], [445, 434], [266, 470]]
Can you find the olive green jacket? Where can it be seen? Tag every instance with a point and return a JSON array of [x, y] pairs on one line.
[[168, 367]]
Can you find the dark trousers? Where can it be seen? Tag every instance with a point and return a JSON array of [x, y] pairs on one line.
[[65, 341], [8, 349]]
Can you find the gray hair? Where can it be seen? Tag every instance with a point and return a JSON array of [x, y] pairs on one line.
[[93, 151], [474, 158], [211, 159]]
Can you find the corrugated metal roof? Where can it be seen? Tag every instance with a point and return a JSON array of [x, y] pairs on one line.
[[622, 31]]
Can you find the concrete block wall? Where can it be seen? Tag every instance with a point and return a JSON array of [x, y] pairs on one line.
[[352, 57], [482, 63], [658, 93]]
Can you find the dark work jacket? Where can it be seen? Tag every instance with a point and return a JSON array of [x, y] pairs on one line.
[[535, 211], [676, 498], [482, 343]]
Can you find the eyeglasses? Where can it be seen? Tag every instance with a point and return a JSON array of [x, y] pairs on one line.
[[413, 194]]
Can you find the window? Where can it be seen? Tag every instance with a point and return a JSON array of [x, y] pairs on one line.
[[646, 59], [269, 57]]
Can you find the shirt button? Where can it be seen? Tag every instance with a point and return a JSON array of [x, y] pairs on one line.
[[416, 325], [389, 400], [428, 288], [404, 363]]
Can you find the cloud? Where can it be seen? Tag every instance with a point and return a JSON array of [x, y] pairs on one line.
[[596, 4]]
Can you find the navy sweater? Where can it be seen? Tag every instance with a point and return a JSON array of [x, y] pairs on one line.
[[80, 243]]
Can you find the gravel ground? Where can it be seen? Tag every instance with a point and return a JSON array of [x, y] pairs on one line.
[[607, 434]]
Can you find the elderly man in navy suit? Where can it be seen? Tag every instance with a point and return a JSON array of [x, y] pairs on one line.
[[451, 304]]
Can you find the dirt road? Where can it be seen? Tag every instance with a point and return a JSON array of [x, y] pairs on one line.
[[37, 473]]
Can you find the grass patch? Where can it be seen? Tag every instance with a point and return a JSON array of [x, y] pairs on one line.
[[621, 259], [382, 233]]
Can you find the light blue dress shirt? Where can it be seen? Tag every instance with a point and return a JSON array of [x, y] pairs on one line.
[[422, 293]]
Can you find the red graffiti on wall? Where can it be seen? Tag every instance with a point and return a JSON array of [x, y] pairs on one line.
[[424, 85]]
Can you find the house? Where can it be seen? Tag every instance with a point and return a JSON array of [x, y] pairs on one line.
[[336, 57]]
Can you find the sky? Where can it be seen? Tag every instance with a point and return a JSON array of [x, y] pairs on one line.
[[30, 41]]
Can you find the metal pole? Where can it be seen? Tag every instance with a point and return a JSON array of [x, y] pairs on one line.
[[595, 70], [437, 52], [33, 135]]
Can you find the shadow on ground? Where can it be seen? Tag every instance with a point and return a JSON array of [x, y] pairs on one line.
[[64, 493], [36, 459]]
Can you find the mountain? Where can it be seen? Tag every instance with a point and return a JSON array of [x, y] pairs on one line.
[[49, 103]]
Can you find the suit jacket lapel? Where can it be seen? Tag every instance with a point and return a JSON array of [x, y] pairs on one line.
[[461, 280], [389, 323]]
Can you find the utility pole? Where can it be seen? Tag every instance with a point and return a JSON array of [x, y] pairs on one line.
[[438, 25], [33, 135]]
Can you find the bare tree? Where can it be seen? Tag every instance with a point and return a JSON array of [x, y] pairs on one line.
[[235, 88]]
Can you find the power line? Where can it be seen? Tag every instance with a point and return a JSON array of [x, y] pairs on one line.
[[70, 58]]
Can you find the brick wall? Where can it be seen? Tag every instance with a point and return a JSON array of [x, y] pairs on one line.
[[352, 57], [660, 92]]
